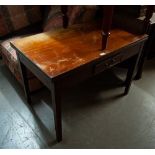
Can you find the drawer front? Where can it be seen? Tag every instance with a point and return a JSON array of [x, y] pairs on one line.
[[105, 64], [123, 54]]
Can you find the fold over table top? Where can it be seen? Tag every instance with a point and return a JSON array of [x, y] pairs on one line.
[[66, 49]]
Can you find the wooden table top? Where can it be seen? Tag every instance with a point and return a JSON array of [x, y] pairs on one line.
[[66, 49]]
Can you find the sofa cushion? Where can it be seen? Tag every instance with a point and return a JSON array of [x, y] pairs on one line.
[[15, 17], [76, 14], [10, 59]]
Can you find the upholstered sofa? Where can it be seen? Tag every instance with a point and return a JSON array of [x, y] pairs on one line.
[[20, 21]]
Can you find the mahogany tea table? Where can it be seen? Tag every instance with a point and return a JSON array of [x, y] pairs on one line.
[[68, 56]]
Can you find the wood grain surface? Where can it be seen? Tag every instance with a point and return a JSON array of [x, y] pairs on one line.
[[66, 49]]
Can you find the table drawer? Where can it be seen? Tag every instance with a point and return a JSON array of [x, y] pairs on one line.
[[123, 54], [105, 64]]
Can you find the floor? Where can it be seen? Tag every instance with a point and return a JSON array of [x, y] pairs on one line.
[[95, 115]]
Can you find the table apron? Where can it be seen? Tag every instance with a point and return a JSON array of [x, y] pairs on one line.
[[35, 70]]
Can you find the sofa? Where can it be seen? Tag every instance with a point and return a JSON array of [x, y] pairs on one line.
[[19, 21]]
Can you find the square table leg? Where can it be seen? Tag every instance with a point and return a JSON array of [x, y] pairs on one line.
[[141, 63], [56, 103], [24, 76], [56, 99], [130, 74]]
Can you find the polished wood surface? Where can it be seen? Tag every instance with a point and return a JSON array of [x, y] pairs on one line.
[[61, 51]]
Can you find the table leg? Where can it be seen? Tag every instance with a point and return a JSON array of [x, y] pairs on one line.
[[141, 64], [25, 82], [56, 103], [130, 73]]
